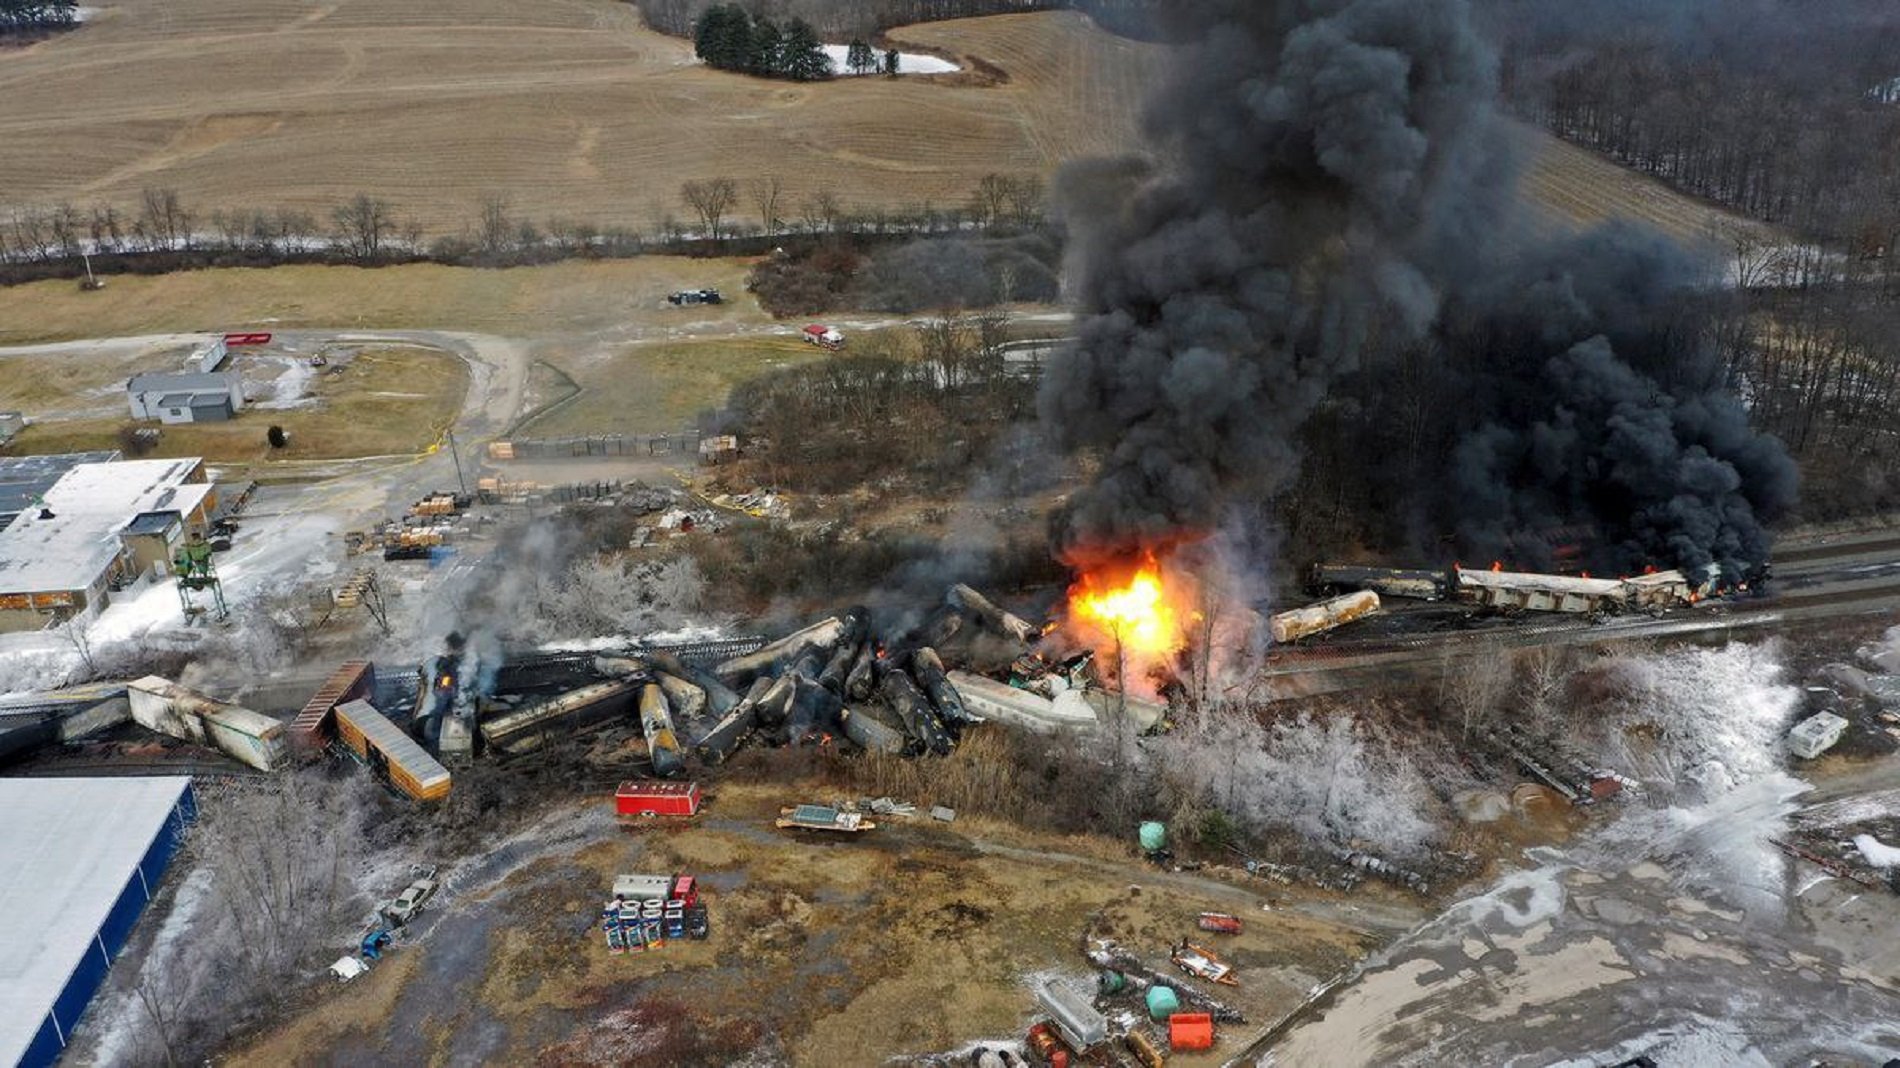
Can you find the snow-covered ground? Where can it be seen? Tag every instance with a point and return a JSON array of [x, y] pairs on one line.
[[907, 62], [290, 387], [270, 553]]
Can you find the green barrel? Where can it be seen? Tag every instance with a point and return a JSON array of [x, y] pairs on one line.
[[1111, 981], [1153, 837], [1162, 1002]]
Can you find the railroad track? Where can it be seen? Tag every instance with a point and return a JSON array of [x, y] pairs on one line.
[[1851, 578]]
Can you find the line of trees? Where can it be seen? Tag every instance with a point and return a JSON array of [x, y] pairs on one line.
[[847, 18], [32, 16], [163, 231], [729, 37]]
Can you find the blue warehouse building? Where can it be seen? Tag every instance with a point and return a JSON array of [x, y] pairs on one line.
[[82, 859]]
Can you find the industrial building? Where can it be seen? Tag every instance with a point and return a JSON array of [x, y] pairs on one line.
[[24, 478], [196, 393], [96, 525], [84, 857], [185, 397]]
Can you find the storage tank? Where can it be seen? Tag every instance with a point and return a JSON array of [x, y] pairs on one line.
[[1324, 616], [1163, 1002]]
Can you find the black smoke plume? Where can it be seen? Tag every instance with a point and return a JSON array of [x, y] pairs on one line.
[[1320, 166], [1588, 396], [1328, 186]]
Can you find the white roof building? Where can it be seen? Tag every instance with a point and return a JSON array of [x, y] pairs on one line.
[[59, 552], [83, 856]]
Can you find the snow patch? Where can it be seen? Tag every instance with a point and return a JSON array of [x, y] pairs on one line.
[[291, 387], [1878, 853], [907, 62]]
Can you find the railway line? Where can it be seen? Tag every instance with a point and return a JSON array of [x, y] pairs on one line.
[[1814, 582]]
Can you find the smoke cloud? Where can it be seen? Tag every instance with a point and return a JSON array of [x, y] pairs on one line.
[[1322, 166], [1329, 186]]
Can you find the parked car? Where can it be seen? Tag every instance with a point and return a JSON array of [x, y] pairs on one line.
[[408, 903], [695, 296]]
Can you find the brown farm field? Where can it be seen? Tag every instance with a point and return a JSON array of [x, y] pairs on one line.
[[569, 108], [573, 109]]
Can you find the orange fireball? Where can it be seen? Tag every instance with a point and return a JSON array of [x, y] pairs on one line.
[[1134, 611]]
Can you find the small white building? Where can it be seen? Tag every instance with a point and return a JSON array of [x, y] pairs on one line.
[[1816, 735], [185, 397]]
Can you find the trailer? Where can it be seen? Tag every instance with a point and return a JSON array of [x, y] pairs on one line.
[[822, 818], [641, 798], [822, 336]]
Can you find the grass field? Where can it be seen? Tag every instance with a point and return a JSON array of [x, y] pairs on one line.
[[570, 108], [384, 401], [571, 297], [1573, 188], [659, 387]]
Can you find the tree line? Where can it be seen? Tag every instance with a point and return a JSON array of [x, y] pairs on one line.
[[838, 18], [729, 37], [163, 231], [30, 16]]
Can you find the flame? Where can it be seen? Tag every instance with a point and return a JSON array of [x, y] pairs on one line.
[[1133, 611], [1497, 565]]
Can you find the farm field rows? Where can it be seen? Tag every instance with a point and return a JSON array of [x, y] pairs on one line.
[[568, 108]]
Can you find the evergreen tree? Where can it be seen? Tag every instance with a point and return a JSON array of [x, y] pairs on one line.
[[722, 37], [860, 59], [890, 63], [767, 48], [801, 57]]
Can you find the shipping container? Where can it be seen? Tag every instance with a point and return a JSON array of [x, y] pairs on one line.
[[390, 752], [162, 705], [314, 726], [647, 798]]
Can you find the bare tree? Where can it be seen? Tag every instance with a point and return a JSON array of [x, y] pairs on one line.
[[363, 225], [495, 231], [766, 191], [821, 211], [164, 220], [1472, 687], [711, 199]]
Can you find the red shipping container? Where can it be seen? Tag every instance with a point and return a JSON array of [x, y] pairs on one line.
[[642, 798], [1191, 1030]]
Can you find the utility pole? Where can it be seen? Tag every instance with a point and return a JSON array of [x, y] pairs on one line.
[[456, 455]]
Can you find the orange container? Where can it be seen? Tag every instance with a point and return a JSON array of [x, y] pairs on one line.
[[1191, 1030]]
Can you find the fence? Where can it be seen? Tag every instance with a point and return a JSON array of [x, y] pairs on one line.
[[595, 445]]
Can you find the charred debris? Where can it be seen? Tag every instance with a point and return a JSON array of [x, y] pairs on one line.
[[838, 682]]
